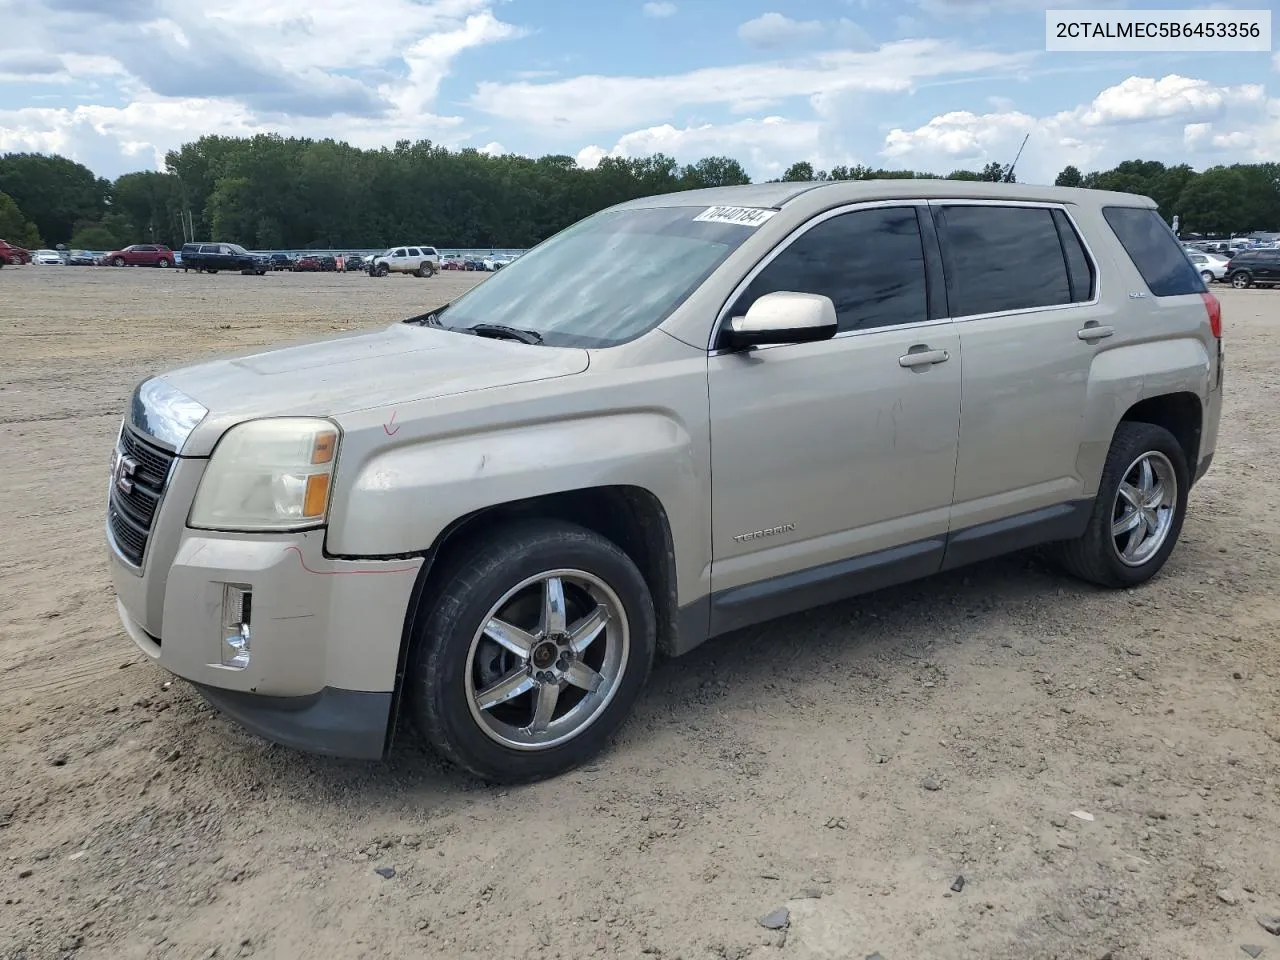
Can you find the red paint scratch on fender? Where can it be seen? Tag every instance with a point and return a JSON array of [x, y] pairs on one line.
[[343, 573], [391, 423]]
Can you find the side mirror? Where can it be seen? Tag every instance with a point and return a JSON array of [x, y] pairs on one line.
[[783, 317]]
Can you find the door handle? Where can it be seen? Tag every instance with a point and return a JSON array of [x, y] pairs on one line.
[[923, 357], [1094, 331]]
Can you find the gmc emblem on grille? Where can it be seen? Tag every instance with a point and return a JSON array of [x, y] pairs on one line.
[[123, 473]]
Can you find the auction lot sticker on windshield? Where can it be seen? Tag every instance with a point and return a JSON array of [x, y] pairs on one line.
[[743, 216]]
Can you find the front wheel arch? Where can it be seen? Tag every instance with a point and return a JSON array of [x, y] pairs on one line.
[[631, 517]]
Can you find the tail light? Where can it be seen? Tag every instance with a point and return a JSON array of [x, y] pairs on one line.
[[1214, 308]]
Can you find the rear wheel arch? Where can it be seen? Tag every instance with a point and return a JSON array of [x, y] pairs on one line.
[[1182, 414]]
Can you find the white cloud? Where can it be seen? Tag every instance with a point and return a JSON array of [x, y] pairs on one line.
[[772, 31], [172, 72], [1138, 99], [493, 149], [658, 10], [766, 146], [592, 104], [1174, 119]]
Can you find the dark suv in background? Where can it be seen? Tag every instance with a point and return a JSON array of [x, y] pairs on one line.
[[1254, 266], [212, 257]]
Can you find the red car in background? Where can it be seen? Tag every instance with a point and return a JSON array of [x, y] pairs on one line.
[[307, 264], [141, 255], [13, 254]]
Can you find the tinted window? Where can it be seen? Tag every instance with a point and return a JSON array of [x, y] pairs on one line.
[[1002, 258], [869, 262], [1080, 272], [1154, 250], [415, 252], [398, 253]]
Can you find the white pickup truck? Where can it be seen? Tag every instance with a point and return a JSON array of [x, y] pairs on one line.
[[417, 260]]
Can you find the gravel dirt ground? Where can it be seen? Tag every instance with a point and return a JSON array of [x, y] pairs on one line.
[[1098, 767]]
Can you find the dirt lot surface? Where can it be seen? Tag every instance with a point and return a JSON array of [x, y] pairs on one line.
[[846, 766]]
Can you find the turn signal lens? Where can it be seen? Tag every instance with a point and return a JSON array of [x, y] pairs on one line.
[[316, 499]]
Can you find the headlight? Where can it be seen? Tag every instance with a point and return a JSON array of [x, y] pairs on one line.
[[270, 474]]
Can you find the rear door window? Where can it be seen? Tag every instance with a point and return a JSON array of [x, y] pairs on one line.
[[1003, 258], [415, 252], [869, 262], [1154, 250]]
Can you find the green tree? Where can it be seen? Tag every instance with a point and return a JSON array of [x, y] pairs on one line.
[[714, 172], [1215, 202], [53, 192], [992, 172], [799, 172], [16, 228], [965, 175], [110, 233], [1069, 177]]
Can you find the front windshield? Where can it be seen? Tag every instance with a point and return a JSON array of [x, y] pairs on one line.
[[604, 280]]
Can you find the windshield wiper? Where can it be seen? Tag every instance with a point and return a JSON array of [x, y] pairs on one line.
[[502, 332]]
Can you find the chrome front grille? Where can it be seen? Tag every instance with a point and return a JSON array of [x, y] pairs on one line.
[[139, 474]]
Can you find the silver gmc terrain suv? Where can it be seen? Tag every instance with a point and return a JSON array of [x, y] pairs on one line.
[[683, 415]]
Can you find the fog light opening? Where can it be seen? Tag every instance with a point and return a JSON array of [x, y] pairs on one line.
[[237, 607]]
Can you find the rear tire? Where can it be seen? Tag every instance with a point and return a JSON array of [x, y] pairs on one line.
[[1206, 276], [1241, 280], [533, 732], [164, 263], [1150, 499]]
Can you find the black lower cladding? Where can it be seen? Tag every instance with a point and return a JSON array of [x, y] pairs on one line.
[[333, 722], [754, 603]]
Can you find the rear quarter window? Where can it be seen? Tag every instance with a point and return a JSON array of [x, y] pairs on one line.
[[1154, 250]]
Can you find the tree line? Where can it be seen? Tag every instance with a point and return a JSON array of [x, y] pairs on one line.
[[271, 192]]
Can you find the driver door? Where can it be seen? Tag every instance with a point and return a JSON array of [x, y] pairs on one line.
[[833, 463]]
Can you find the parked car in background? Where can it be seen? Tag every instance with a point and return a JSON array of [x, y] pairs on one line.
[[47, 257], [471, 263], [212, 257], [353, 262], [1254, 267], [328, 264], [12, 253], [1211, 266], [141, 255], [82, 258], [280, 261], [306, 264], [419, 261]]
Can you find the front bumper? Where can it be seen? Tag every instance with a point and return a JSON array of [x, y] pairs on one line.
[[325, 640]]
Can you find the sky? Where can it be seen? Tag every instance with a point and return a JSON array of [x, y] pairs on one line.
[[932, 85]]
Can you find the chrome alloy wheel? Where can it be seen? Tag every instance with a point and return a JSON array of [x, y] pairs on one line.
[[1144, 508], [547, 659]]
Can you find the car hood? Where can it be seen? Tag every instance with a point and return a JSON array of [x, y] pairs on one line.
[[395, 365]]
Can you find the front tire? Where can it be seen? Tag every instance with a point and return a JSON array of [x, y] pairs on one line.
[[533, 653], [118, 262], [163, 263], [1241, 280], [1138, 512]]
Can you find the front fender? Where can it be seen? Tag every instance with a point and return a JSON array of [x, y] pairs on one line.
[[401, 499], [1122, 377]]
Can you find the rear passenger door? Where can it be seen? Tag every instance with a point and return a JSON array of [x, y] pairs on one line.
[[844, 448], [1021, 289]]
